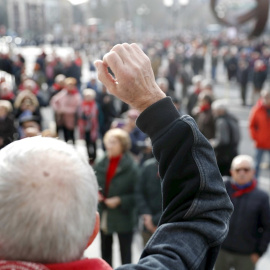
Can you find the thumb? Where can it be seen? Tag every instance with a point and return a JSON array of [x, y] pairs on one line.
[[104, 76]]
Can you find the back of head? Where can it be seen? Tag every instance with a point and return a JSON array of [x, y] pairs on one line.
[[48, 200]]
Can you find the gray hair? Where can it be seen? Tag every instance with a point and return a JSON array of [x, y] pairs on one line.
[[219, 104], [161, 81], [241, 158], [48, 201]]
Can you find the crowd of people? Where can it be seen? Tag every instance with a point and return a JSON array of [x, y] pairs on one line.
[[127, 173]]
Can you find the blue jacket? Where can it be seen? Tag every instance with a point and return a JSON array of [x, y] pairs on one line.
[[196, 206]]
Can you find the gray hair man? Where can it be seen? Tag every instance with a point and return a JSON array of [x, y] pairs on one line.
[[249, 231]]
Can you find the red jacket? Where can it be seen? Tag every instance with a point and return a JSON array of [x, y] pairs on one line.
[[86, 264], [259, 126]]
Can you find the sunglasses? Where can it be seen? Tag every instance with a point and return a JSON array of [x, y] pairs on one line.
[[242, 169]]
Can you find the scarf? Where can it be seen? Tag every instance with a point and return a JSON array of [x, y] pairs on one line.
[[57, 87], [243, 189], [205, 108], [113, 164], [85, 264]]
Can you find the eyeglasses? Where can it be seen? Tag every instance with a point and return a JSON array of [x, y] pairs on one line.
[[242, 169]]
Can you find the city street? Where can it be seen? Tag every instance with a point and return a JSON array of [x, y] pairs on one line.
[[222, 89]]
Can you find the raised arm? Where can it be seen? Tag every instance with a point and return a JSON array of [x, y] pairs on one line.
[[196, 207]]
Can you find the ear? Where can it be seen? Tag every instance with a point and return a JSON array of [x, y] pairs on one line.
[[95, 231]]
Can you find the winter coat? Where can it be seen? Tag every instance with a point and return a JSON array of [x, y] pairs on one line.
[[148, 195], [122, 218], [7, 130], [259, 126], [88, 120], [206, 123], [66, 106], [249, 230]]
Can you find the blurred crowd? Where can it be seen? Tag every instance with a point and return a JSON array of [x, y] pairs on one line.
[[86, 110]]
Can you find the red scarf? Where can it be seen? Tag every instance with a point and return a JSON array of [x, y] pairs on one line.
[[85, 264], [113, 164], [74, 91], [205, 107], [240, 191], [87, 106], [8, 96], [57, 87]]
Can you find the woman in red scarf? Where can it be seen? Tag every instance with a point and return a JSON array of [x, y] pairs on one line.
[[88, 122], [117, 174]]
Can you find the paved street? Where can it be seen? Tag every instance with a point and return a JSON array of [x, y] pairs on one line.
[[223, 90]]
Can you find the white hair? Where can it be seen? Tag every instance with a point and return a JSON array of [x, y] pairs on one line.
[[48, 201], [240, 158], [219, 104]]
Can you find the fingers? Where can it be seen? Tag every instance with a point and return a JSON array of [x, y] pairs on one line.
[[104, 76], [114, 61]]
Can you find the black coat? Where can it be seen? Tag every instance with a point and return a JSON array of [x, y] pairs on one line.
[[249, 230], [7, 130]]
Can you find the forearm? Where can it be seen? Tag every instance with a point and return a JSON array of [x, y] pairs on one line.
[[196, 207]]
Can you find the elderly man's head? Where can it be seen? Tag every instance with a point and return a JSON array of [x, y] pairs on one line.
[[219, 107], [242, 169], [48, 200]]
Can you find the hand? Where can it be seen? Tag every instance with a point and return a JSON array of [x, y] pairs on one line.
[[112, 202], [254, 257], [135, 81], [148, 223], [100, 197]]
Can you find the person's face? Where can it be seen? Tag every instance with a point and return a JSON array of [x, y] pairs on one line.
[[113, 147], [242, 173]]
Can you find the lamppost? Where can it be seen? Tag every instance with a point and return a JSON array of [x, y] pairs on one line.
[[174, 7]]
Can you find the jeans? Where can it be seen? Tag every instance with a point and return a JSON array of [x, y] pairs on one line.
[[258, 160]]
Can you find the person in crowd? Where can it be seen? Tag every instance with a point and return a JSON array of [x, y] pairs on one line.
[[7, 125], [243, 78], [93, 84], [29, 126], [88, 122], [173, 71], [26, 104], [6, 92], [231, 64], [128, 123], [148, 198], [227, 136], [117, 175], [33, 87], [259, 123], [259, 77], [65, 105], [214, 64], [74, 71], [39, 75], [107, 111], [196, 206], [204, 115], [249, 230], [59, 84], [163, 84], [193, 97]]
